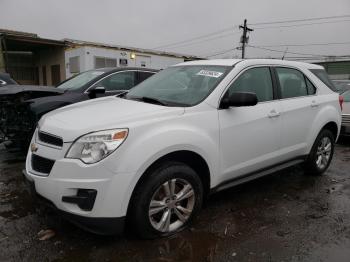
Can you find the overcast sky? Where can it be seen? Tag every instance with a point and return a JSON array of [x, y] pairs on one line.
[[155, 23]]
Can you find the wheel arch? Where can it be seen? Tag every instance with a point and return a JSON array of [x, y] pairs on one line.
[[188, 157], [328, 117], [331, 126]]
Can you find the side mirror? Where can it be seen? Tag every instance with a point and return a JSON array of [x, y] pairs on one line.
[[238, 99], [98, 90]]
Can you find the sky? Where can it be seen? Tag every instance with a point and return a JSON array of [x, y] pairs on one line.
[[154, 24]]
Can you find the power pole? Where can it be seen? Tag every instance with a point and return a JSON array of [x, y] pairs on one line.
[[244, 38]]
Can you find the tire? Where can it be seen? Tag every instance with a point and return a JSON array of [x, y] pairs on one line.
[[317, 162], [185, 199]]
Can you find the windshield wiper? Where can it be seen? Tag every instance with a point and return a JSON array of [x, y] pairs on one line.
[[123, 94], [150, 100]]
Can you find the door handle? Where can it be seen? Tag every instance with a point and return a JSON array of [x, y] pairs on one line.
[[314, 104], [273, 113]]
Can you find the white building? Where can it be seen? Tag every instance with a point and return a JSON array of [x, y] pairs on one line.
[[82, 56]]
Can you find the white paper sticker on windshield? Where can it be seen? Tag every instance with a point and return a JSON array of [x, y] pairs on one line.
[[209, 73]]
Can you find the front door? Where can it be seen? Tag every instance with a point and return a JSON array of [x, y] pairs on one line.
[[250, 136]]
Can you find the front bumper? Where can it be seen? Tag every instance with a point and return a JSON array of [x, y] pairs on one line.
[[96, 225]]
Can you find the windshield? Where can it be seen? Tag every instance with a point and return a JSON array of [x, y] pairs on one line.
[[79, 80], [180, 85]]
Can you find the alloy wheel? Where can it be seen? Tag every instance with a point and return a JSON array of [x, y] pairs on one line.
[[323, 153], [171, 205]]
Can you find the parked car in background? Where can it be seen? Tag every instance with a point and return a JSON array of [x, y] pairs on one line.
[[345, 124], [22, 106], [150, 157], [341, 85], [343, 88], [5, 79]]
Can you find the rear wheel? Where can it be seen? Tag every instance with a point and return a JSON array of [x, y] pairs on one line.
[[167, 201], [321, 153]]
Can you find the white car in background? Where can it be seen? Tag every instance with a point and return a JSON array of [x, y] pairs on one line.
[[345, 124], [343, 88], [152, 156]]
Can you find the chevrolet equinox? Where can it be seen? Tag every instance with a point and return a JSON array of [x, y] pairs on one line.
[[149, 158]]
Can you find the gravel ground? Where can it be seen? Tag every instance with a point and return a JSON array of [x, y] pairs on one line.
[[287, 216]]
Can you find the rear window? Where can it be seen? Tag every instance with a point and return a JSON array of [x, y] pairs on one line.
[[323, 76]]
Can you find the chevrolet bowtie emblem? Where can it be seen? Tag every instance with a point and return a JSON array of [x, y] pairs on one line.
[[33, 147]]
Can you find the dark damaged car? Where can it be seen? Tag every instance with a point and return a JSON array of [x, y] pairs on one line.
[[5, 79], [21, 107]]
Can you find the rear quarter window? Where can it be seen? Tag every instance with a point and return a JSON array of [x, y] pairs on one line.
[[323, 76]]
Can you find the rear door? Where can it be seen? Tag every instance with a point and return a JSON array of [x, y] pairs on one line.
[[250, 136], [299, 105]]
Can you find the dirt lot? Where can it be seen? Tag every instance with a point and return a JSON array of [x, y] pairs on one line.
[[283, 217]]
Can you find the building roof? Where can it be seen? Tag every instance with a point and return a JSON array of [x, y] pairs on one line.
[[34, 39], [131, 49], [22, 41]]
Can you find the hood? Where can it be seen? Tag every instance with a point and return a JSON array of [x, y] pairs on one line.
[[78, 119], [42, 105], [15, 89]]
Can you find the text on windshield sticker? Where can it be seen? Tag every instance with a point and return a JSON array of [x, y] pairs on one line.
[[209, 73]]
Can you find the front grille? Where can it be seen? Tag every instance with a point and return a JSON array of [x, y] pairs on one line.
[[50, 139], [42, 164], [345, 119]]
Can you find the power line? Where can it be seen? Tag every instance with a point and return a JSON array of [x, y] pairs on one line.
[[299, 25], [205, 40], [230, 34], [301, 20], [261, 23], [222, 52], [313, 44], [280, 51], [196, 38]]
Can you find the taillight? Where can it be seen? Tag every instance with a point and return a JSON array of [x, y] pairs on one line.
[[341, 101]]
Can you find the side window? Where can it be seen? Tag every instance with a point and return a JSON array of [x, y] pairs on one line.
[[118, 81], [311, 89], [292, 82], [257, 80], [144, 75], [323, 76]]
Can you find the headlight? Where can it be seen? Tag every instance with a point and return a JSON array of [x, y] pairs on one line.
[[93, 147]]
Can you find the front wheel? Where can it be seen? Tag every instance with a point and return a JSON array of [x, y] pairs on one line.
[[167, 201], [321, 153]]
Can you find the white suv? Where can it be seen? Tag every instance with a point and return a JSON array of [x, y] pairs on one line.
[[150, 158]]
